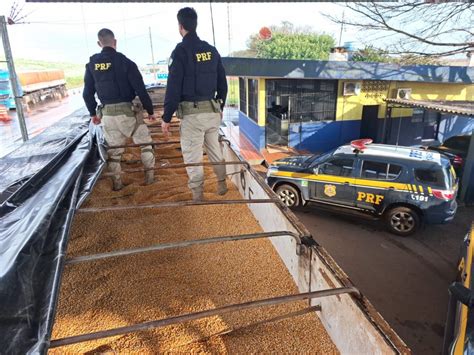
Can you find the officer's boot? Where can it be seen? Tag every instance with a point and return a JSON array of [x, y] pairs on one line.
[[197, 194], [222, 188], [117, 183], [149, 177]]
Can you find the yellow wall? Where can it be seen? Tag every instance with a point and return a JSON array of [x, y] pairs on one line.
[[350, 107], [247, 95], [262, 110]]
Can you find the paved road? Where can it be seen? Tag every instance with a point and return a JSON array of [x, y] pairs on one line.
[[37, 121], [405, 278]]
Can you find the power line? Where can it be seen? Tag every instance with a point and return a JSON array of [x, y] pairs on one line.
[[93, 23]]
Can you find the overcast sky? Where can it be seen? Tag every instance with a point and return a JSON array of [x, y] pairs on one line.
[[67, 32]]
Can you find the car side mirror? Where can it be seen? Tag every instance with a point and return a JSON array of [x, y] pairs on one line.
[[462, 294]]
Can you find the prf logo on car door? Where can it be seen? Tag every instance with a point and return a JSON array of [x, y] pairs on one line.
[[369, 197]]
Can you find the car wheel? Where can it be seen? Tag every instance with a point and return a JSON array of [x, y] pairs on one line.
[[289, 195], [402, 221]]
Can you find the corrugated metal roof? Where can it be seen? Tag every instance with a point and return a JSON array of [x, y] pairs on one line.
[[318, 69], [174, 1], [464, 108]]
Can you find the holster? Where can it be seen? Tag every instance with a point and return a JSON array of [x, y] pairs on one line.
[[137, 109], [179, 111], [99, 111], [216, 104]]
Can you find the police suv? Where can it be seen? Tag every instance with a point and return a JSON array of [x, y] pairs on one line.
[[403, 185]]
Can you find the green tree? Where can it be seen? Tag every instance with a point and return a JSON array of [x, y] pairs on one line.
[[371, 54], [413, 59], [289, 42]]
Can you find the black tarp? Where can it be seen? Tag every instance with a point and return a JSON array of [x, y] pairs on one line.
[[42, 184]]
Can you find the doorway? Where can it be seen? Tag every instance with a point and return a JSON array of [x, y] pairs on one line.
[[369, 122]]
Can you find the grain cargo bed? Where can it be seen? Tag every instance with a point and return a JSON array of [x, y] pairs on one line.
[[149, 270]]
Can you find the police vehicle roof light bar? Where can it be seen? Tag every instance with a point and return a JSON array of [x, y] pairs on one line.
[[203, 314]]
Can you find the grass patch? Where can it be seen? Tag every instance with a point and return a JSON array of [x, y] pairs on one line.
[[233, 91], [74, 82], [74, 73]]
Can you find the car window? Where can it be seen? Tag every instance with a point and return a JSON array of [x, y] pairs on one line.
[[459, 143], [394, 171], [318, 159], [435, 177], [338, 167], [375, 170]]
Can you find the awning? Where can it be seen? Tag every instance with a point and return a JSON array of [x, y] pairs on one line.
[[465, 108], [335, 70]]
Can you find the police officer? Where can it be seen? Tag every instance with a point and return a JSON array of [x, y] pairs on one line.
[[117, 81], [196, 89]]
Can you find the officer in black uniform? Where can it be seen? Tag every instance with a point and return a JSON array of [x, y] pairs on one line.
[[117, 81], [196, 89]]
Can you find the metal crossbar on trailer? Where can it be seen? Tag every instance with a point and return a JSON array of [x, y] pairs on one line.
[[176, 204], [174, 166], [137, 145], [182, 244], [203, 314]]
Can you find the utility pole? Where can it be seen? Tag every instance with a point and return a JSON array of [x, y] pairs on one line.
[[228, 29], [13, 78], [342, 29], [152, 57]]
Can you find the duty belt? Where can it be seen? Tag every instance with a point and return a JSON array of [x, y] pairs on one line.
[[190, 108], [121, 108]]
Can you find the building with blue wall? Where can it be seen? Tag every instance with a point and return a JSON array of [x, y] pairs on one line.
[[315, 106]]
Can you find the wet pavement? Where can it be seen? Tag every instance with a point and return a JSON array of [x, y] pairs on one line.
[[37, 120]]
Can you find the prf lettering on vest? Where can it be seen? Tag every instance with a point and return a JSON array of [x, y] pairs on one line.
[[203, 57], [369, 198], [102, 66]]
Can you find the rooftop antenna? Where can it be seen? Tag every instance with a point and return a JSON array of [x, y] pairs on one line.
[[17, 15]]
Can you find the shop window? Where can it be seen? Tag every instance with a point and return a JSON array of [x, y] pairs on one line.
[[253, 99], [302, 100], [243, 95]]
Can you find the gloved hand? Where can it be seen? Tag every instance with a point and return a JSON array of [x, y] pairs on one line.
[[95, 120]]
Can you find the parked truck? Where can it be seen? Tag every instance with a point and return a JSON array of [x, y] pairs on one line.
[[36, 87]]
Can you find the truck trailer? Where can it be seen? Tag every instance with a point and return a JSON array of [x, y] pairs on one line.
[[146, 269], [36, 87]]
